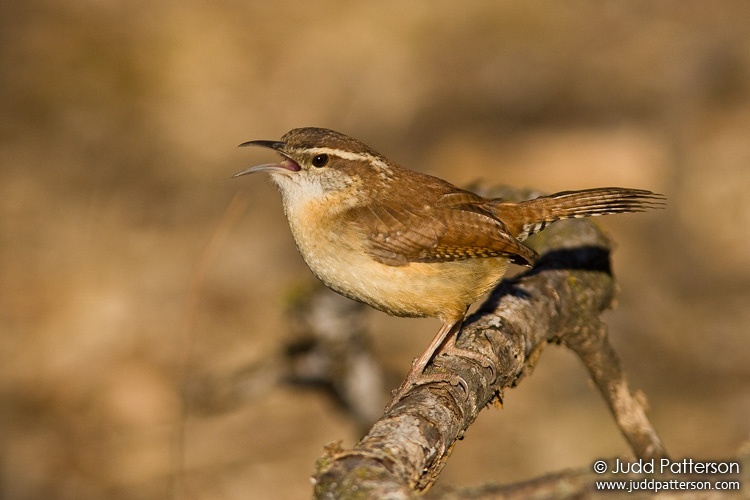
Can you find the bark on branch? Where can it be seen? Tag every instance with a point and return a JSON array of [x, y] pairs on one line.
[[559, 301]]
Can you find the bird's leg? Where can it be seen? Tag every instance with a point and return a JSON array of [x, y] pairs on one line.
[[443, 343], [446, 335], [448, 346], [448, 331]]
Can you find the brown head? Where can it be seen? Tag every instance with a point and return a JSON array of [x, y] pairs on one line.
[[321, 164]]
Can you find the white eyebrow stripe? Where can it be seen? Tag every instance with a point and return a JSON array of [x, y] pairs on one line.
[[350, 155]]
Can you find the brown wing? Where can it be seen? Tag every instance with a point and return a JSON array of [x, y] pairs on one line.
[[454, 227]]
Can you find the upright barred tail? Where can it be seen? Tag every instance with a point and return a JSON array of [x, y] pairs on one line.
[[538, 213]]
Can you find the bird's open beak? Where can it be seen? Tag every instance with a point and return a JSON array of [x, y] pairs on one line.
[[286, 165]]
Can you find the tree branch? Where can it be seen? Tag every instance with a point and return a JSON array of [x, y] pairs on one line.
[[560, 301]]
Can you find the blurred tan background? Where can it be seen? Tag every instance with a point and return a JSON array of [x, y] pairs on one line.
[[118, 130]]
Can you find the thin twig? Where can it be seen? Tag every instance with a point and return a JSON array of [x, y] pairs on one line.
[[187, 339]]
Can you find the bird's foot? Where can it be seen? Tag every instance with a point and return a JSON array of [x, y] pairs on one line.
[[416, 377], [482, 360]]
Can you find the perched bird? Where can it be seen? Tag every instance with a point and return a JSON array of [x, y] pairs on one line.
[[408, 243]]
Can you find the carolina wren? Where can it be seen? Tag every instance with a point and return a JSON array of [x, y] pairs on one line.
[[408, 243]]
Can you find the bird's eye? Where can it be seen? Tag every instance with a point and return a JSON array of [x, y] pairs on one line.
[[320, 161]]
